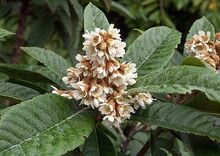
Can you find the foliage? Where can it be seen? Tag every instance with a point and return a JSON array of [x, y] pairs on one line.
[[35, 122]]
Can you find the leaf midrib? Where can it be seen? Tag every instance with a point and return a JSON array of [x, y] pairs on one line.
[[48, 129], [156, 48]]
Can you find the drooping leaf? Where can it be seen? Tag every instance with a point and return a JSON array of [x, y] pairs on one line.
[[3, 77], [181, 118], [98, 144], [33, 73], [16, 91], [46, 125], [4, 33], [153, 49], [52, 60], [181, 79], [201, 24], [94, 17]]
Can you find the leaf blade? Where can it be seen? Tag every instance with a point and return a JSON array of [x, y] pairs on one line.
[[201, 24], [153, 49], [94, 18], [181, 118], [181, 79], [16, 91], [52, 60], [50, 127]]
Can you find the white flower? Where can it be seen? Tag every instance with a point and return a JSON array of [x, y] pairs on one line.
[[80, 90], [129, 72], [67, 94], [106, 108], [125, 110], [117, 79], [100, 81], [100, 72], [142, 99], [114, 32], [72, 76], [111, 120]]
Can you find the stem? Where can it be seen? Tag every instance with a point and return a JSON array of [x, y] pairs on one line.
[[16, 55], [147, 144], [135, 129]]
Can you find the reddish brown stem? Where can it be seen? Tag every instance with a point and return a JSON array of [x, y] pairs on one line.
[[147, 144], [16, 55]]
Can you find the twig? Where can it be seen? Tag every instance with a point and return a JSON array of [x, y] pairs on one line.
[[147, 144], [135, 129], [16, 55]]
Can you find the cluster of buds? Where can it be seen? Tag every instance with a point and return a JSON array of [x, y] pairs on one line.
[[202, 47], [100, 81]]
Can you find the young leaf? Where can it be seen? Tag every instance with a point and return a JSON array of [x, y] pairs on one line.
[[201, 24], [94, 17], [98, 144], [16, 91], [46, 125], [3, 77], [52, 60], [181, 118], [153, 49], [181, 79], [4, 33]]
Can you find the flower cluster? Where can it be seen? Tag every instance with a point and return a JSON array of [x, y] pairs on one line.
[[202, 47], [99, 80]]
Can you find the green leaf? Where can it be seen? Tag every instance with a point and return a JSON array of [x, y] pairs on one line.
[[94, 18], [4, 33], [16, 91], [33, 73], [121, 9], [180, 149], [52, 60], [46, 125], [193, 61], [181, 79], [181, 118], [41, 30], [153, 49], [201, 24], [53, 4], [3, 77], [98, 144]]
